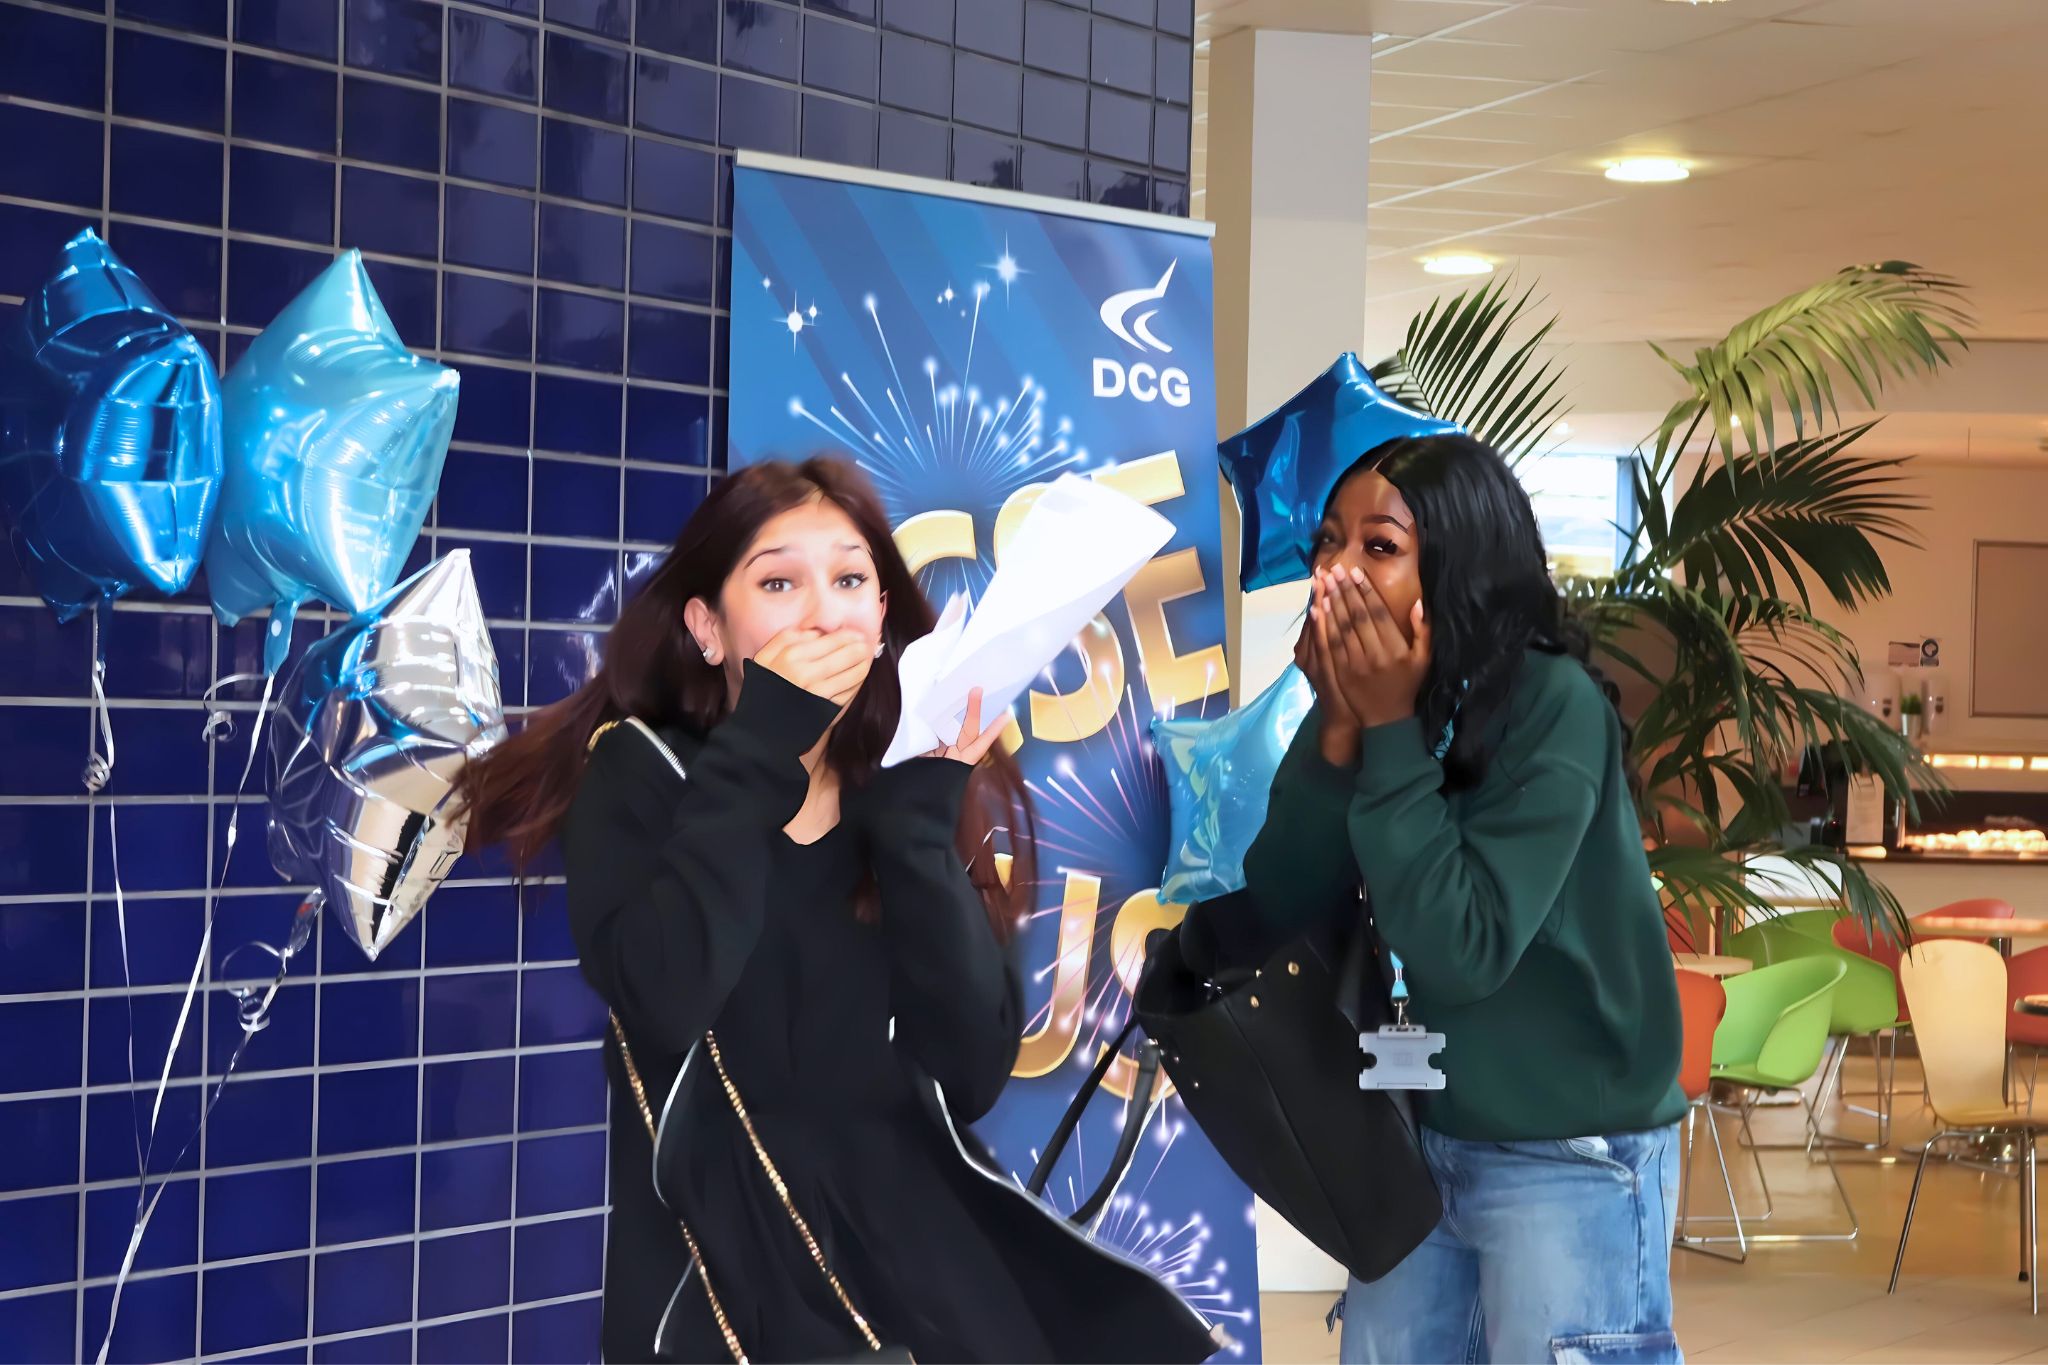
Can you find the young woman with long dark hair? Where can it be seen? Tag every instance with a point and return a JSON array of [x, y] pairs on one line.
[[804, 957], [1465, 771]]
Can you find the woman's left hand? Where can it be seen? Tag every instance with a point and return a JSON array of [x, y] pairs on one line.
[[1377, 669], [974, 742]]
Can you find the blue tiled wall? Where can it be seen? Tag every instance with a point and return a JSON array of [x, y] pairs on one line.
[[411, 1162]]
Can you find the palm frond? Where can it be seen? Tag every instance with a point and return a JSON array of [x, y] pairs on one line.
[[1462, 362]]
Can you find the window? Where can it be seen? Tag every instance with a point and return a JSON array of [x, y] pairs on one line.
[[1582, 503]]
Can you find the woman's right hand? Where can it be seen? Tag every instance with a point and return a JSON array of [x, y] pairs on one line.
[[830, 664], [1338, 728]]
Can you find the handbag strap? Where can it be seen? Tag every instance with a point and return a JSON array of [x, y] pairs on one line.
[[739, 1109], [1136, 1112]]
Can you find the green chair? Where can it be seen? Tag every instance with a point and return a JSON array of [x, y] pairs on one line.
[[1774, 1038], [1865, 1004]]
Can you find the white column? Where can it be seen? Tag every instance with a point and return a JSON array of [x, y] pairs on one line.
[[1289, 115]]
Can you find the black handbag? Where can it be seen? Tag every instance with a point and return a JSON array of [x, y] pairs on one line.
[[1267, 1062]]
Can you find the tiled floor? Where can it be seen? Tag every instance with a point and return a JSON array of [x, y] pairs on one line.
[[1960, 1299]]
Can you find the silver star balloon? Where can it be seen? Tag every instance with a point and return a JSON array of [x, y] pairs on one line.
[[373, 725]]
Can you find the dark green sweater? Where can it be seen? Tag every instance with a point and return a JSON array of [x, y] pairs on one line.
[[1522, 909]]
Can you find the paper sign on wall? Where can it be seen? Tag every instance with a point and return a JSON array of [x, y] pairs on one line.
[[1914, 653]]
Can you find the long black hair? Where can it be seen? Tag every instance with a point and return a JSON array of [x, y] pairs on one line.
[[1486, 588]]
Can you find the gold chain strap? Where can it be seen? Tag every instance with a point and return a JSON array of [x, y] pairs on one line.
[[739, 1108]]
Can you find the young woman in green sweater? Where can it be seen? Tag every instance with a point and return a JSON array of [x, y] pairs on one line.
[[1464, 770]]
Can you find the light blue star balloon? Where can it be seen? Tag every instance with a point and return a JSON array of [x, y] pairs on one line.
[[110, 435], [1285, 466], [335, 439], [1218, 775]]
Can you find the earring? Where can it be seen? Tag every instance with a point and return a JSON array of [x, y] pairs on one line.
[[881, 649]]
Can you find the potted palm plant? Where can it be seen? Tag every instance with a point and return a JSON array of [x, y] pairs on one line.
[[1753, 503]]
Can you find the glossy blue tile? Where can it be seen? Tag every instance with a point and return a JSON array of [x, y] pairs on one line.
[[471, 1341], [40, 1326], [262, 1119], [198, 16], [41, 657], [562, 661], [369, 1021], [550, 1260], [917, 75], [364, 1199], [581, 246], [1173, 69], [669, 97], [575, 416], [762, 38], [42, 948], [53, 57], [395, 125], [29, 241], [580, 162], [172, 1238], [1119, 126], [245, 1306], [672, 263], [489, 230], [168, 80], [461, 1186], [285, 1042], [979, 159], [41, 1139], [561, 1090], [926, 18], [679, 30], [493, 56], [58, 1030], [1121, 56], [42, 849], [258, 1213], [556, 1005], [581, 331], [482, 492], [584, 78], [40, 1242], [1170, 136], [675, 182], [986, 93], [1055, 110], [285, 103], [165, 655], [395, 37], [863, 10], [543, 909], [471, 1012], [561, 1173], [1177, 16], [163, 175], [43, 752], [994, 28], [485, 142], [557, 1331], [1056, 37], [1118, 187], [362, 1287], [1130, 11], [408, 295], [500, 572], [382, 1348], [835, 130], [756, 115], [163, 848], [309, 30], [471, 1099], [386, 212], [158, 1321], [163, 941], [612, 18], [280, 195], [574, 585], [263, 278], [68, 166], [475, 925], [575, 499], [502, 409], [361, 1111], [671, 344], [111, 1124], [486, 316]]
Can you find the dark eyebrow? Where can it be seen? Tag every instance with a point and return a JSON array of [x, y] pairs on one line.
[[763, 554], [1384, 520]]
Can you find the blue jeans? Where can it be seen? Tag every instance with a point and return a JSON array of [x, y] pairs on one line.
[[1548, 1251]]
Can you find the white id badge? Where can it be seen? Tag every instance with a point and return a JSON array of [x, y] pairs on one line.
[[1397, 1058]]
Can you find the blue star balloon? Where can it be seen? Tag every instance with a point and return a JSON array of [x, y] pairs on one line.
[[110, 435], [335, 439], [1218, 776], [1285, 466]]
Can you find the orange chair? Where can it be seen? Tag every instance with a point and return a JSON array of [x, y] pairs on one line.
[[1701, 1003]]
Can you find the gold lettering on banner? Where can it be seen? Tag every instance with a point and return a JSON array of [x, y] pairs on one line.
[[1043, 1051], [1135, 920]]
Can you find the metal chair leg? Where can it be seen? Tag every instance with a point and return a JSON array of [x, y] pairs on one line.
[[1912, 1203], [1694, 1242], [2034, 1220]]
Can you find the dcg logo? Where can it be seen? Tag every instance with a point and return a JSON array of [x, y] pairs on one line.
[[1142, 379]]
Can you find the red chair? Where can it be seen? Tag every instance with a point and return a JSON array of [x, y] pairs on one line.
[[1701, 1004], [1852, 935], [2027, 974]]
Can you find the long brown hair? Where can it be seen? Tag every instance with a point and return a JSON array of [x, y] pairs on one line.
[[519, 793]]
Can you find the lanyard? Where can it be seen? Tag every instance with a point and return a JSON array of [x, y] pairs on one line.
[[1399, 993]]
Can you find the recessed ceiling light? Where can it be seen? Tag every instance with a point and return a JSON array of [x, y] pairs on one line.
[[1648, 170], [1563, 428], [1461, 263]]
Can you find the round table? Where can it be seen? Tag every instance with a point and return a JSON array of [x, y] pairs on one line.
[[1708, 965], [2031, 1004]]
